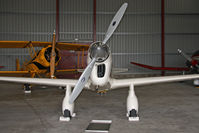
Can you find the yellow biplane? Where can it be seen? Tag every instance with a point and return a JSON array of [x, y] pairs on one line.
[[43, 62]]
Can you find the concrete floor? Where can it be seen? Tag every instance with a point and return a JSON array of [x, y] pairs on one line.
[[164, 108]]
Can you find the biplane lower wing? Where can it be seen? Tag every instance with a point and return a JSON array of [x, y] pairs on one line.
[[37, 73], [15, 73]]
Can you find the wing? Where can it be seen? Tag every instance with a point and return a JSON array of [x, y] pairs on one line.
[[60, 45], [40, 81], [117, 83]]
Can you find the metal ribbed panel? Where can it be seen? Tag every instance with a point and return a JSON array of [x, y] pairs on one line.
[[76, 20], [181, 6], [135, 6], [189, 43], [182, 24], [76, 6], [182, 29], [27, 19], [136, 39], [31, 20], [8, 57]]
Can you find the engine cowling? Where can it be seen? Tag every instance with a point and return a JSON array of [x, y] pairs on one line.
[[99, 51]]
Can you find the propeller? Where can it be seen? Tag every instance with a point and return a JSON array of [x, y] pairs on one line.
[[115, 22], [189, 59], [82, 81], [52, 57], [184, 55], [87, 72]]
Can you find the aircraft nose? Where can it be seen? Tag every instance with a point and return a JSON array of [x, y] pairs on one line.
[[99, 51]]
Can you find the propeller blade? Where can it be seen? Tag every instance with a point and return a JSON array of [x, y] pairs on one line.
[[184, 55], [115, 22], [188, 58], [52, 59], [82, 81]]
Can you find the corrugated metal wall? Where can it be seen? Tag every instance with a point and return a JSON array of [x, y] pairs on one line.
[[182, 29], [30, 20], [138, 37], [76, 20]]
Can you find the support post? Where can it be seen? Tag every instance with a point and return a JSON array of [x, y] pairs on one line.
[[83, 58], [94, 20], [57, 20], [162, 36]]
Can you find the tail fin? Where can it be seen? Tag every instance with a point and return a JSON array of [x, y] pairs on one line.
[[161, 68]]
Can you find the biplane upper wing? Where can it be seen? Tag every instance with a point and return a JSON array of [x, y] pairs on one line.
[[72, 46], [60, 45]]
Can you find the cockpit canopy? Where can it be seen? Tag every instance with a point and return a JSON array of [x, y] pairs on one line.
[[99, 51]]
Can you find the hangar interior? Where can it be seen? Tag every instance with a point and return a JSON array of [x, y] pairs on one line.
[[145, 35], [150, 33]]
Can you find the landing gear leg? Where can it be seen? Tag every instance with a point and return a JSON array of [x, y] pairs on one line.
[[27, 88], [132, 105], [67, 108]]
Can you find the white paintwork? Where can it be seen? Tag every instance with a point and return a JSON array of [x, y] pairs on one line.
[[81, 82], [66, 105], [41, 81], [101, 121], [104, 80], [117, 83], [27, 92], [196, 82], [132, 103], [134, 118]]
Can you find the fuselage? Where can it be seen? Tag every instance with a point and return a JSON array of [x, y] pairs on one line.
[[41, 61], [100, 75], [194, 64]]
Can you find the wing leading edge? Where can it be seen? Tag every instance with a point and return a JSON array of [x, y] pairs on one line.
[[40, 81], [117, 83]]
